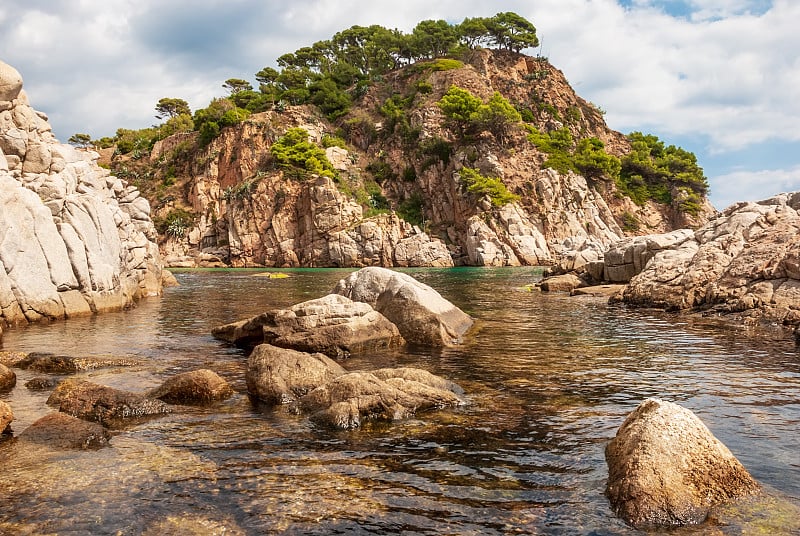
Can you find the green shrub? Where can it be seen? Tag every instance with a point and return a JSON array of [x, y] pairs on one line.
[[411, 209], [487, 186], [294, 150], [381, 170]]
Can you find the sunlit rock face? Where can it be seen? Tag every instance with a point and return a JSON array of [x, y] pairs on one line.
[[73, 239]]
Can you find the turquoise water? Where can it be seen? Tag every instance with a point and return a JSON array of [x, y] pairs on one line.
[[549, 378]]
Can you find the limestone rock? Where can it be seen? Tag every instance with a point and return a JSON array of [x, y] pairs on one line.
[[628, 257], [106, 405], [421, 314], [666, 468], [350, 400], [6, 416], [195, 387], [280, 376], [333, 325], [62, 431], [10, 82], [561, 283], [7, 378], [744, 262], [73, 241]]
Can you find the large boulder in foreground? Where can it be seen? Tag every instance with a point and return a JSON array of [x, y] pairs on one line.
[[350, 400], [665, 468], [333, 325], [62, 431], [421, 314], [194, 387], [99, 403], [280, 375]]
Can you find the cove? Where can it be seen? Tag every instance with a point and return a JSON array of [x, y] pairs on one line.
[[549, 380]]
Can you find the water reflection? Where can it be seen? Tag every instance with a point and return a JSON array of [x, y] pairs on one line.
[[549, 378]]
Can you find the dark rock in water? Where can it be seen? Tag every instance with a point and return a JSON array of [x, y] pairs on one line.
[[421, 314], [665, 468], [62, 431], [7, 378], [195, 387], [61, 364], [280, 375], [333, 325], [106, 405], [350, 400], [40, 384], [6, 416]]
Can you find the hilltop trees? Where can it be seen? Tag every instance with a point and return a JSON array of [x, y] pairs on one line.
[[168, 107]]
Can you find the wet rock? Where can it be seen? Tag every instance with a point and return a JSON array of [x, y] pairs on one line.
[[350, 400], [106, 405], [62, 431], [280, 376], [333, 325], [608, 291], [6, 416], [421, 314], [561, 283], [61, 364], [191, 524], [667, 469], [7, 378], [40, 384], [195, 387]]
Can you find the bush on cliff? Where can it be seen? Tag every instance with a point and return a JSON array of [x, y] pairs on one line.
[[295, 152], [487, 186]]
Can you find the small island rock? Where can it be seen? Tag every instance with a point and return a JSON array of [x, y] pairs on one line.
[[667, 469], [421, 314]]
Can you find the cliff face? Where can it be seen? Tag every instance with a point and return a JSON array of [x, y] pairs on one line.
[[247, 212], [73, 239]]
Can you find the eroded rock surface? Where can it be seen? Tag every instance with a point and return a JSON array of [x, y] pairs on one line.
[[333, 325], [665, 468], [74, 239], [421, 314], [106, 405]]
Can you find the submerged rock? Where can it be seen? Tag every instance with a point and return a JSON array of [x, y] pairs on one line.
[[195, 387], [349, 400], [40, 384], [280, 376], [7, 378], [6, 416], [62, 431], [106, 405], [421, 314], [61, 364], [667, 469], [333, 325]]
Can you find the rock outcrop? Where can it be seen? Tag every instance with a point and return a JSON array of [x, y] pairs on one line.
[[421, 314], [195, 387], [667, 469], [73, 238], [333, 325], [744, 263], [106, 405], [7, 378]]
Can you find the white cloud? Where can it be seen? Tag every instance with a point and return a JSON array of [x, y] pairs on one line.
[[754, 185]]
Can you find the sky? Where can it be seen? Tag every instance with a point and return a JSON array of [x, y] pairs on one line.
[[719, 78]]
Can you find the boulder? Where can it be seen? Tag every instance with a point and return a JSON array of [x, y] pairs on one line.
[[628, 257], [195, 387], [62, 431], [10, 82], [333, 325], [6, 416], [561, 283], [106, 405], [350, 400], [7, 378], [665, 468], [40, 384], [62, 364], [280, 376], [421, 314]]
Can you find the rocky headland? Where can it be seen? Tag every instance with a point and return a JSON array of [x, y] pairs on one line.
[[74, 239]]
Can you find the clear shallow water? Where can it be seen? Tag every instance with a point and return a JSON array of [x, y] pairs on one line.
[[550, 379]]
